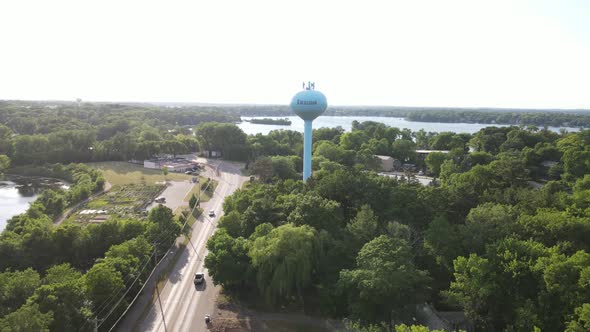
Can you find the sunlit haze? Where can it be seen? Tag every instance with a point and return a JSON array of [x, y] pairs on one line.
[[526, 54]]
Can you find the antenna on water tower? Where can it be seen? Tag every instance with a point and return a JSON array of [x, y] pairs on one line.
[[308, 105]]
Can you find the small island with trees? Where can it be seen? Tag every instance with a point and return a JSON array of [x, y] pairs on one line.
[[269, 121]]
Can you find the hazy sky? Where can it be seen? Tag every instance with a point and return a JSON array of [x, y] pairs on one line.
[[416, 53]]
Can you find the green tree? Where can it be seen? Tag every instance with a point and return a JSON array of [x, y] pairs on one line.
[[317, 212], [333, 152], [414, 328], [54, 202], [228, 262], [434, 160], [447, 169], [63, 294], [101, 281], [404, 150], [581, 322], [474, 288], [285, 259], [283, 167], [443, 241], [328, 134], [4, 163], [15, 288], [26, 319], [364, 227], [489, 139], [224, 137], [480, 158], [193, 201], [263, 167], [232, 223], [353, 140], [385, 285], [163, 228], [485, 224], [165, 173]]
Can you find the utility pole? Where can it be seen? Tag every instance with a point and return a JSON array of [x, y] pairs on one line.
[[158, 291]]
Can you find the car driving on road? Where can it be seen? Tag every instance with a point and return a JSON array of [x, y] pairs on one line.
[[199, 278], [211, 213]]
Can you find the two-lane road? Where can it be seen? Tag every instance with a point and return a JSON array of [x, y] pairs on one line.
[[184, 304]]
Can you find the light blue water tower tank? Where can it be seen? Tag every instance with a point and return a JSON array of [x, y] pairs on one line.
[[308, 105]]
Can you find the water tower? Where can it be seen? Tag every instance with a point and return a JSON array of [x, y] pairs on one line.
[[308, 105]]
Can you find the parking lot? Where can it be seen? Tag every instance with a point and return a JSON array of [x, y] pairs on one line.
[[174, 194]]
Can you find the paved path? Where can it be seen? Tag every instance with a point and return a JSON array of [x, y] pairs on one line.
[[184, 304]]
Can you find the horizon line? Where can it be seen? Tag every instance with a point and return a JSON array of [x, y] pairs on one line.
[[194, 103]]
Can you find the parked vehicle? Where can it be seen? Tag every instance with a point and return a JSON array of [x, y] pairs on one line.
[[160, 199]]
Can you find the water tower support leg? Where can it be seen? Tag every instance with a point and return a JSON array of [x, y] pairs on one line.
[[307, 150]]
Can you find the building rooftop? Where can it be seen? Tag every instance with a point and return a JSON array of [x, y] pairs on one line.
[[383, 157], [431, 151]]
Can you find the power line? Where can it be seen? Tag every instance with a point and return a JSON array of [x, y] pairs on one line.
[[137, 295], [155, 267], [122, 297], [159, 301], [106, 303]]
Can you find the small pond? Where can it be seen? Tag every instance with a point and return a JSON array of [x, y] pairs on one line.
[[17, 192]]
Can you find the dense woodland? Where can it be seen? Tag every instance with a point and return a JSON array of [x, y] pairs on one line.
[[348, 243], [38, 134]]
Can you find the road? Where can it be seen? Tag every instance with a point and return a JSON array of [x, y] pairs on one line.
[[185, 305]]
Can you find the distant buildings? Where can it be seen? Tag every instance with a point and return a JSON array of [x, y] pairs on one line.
[[211, 154], [388, 163], [424, 153], [173, 165]]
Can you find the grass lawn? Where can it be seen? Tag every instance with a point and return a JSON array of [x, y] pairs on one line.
[[205, 195], [121, 173]]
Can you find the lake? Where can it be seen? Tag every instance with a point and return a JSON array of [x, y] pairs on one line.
[[346, 123], [17, 193]]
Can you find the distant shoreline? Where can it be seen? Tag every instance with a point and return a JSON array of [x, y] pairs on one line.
[[268, 121], [573, 118]]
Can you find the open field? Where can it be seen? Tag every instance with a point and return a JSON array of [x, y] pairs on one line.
[[122, 173], [127, 201]]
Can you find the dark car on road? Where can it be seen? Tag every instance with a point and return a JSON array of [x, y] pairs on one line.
[[199, 278]]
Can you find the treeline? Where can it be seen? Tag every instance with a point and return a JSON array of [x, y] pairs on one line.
[[33, 133], [541, 119], [278, 154], [349, 243], [524, 117]]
